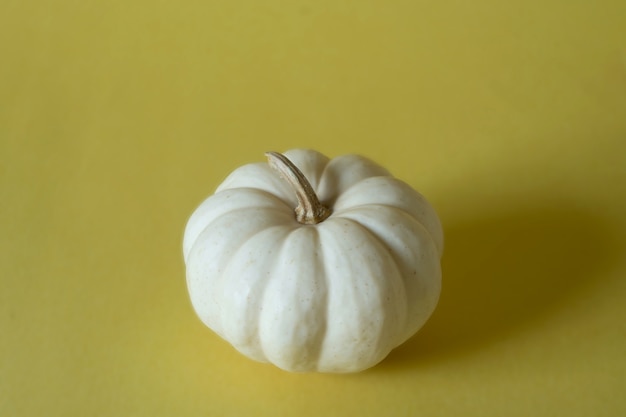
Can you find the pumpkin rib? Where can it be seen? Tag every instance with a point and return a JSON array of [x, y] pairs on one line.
[[324, 316], [213, 237], [348, 210], [355, 168], [397, 276], [246, 212], [322, 279], [359, 298], [293, 325], [236, 213], [246, 337], [257, 176], [407, 221], [398, 194], [275, 197], [219, 204]]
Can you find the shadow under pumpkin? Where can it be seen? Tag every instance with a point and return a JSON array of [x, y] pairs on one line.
[[502, 271]]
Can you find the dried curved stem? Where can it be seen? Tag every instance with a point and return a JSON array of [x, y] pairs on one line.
[[309, 209]]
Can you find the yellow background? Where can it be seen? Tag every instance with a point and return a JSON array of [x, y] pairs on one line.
[[118, 117]]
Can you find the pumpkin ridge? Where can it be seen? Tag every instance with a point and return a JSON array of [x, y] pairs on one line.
[[263, 179], [324, 278], [261, 191], [331, 172], [220, 217], [221, 203], [280, 249], [304, 354], [322, 318], [347, 210], [327, 200], [199, 254], [253, 338], [240, 211], [411, 222], [362, 295], [360, 181], [397, 273], [397, 194]]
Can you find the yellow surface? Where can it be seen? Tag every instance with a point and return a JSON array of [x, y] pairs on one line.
[[118, 117]]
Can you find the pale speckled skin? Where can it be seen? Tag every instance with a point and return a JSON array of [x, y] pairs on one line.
[[337, 296]]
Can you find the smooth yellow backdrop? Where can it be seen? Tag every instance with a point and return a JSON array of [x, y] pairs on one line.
[[118, 117]]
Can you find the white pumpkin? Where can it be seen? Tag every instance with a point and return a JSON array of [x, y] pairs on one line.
[[332, 289]]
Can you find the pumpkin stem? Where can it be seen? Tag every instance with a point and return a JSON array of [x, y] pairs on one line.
[[309, 210]]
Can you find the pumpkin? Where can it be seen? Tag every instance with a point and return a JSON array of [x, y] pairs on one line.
[[314, 264]]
